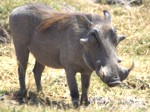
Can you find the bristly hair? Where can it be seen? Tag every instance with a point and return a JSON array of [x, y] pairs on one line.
[[56, 17]]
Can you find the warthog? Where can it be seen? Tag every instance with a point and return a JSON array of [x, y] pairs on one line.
[[77, 42]]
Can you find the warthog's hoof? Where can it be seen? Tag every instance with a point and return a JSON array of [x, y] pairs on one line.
[[86, 103], [21, 95], [75, 103]]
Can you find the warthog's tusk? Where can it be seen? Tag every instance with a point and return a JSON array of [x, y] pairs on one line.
[[101, 73], [132, 66]]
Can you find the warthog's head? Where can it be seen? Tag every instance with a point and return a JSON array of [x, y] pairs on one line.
[[99, 52]]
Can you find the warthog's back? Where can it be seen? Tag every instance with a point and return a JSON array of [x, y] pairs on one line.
[[24, 20]]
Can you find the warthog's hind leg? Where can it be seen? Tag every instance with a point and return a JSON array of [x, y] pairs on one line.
[[22, 54]]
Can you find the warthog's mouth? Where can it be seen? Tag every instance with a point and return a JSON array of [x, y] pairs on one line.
[[109, 77], [113, 84]]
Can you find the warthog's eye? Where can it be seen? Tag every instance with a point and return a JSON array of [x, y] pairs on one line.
[[95, 36], [113, 36], [113, 30]]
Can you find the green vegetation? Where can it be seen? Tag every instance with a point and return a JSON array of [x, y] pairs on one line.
[[133, 95]]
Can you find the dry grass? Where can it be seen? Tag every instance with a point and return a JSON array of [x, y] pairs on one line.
[[133, 95]]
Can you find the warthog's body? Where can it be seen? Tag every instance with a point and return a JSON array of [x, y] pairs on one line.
[[76, 42]]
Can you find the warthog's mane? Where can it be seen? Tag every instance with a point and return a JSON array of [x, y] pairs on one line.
[[55, 18], [48, 16], [80, 21]]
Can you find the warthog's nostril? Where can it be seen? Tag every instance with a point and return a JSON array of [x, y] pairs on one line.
[[116, 77], [113, 84], [114, 81]]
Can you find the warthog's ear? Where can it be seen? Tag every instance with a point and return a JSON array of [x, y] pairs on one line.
[[91, 37], [83, 21], [120, 38], [107, 15]]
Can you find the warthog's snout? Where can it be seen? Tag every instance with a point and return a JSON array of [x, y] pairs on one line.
[[112, 76]]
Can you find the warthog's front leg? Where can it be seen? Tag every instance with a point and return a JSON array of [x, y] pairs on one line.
[[85, 78], [73, 87], [38, 69]]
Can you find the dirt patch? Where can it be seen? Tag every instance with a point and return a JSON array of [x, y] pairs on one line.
[[138, 84], [121, 104], [40, 99], [32, 98]]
